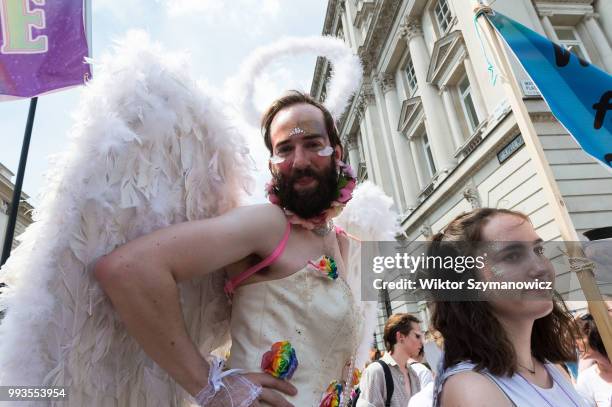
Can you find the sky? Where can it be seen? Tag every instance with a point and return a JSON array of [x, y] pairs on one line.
[[219, 35]]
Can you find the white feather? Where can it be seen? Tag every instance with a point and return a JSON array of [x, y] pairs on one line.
[[345, 80], [369, 217], [148, 149]]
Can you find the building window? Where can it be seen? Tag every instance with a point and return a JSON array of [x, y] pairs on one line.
[[569, 38], [467, 104], [429, 160], [387, 303], [443, 15], [412, 81]]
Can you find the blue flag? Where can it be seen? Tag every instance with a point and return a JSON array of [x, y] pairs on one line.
[[578, 93]]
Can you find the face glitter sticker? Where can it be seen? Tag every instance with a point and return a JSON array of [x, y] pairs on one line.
[[296, 131], [323, 152]]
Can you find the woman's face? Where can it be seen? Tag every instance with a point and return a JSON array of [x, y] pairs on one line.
[[587, 352], [514, 252], [411, 343]]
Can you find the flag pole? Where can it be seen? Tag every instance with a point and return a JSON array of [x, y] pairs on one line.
[[585, 276], [12, 220]]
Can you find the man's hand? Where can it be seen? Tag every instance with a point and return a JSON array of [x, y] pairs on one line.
[[270, 388]]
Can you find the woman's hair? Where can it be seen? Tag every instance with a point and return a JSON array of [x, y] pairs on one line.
[[397, 323], [590, 331], [295, 97], [470, 329]]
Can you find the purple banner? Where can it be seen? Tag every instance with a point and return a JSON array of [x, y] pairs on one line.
[[42, 46]]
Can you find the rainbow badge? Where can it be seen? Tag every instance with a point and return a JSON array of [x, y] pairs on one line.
[[280, 361], [327, 266], [332, 395]]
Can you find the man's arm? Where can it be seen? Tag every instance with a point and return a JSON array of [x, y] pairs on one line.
[[141, 279]]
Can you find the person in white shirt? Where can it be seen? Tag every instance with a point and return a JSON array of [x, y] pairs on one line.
[[392, 381], [595, 382]]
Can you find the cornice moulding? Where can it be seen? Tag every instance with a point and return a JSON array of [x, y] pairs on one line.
[[378, 32]]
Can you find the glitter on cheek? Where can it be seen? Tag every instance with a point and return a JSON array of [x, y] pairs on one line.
[[497, 271], [277, 160]]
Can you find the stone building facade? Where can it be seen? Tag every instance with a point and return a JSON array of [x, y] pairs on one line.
[[24, 218], [430, 128]]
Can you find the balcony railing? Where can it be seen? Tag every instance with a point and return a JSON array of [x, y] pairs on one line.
[[472, 142]]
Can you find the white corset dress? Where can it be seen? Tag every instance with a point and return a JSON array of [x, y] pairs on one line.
[[315, 313]]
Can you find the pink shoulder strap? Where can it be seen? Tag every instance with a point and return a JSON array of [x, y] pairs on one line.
[[234, 282], [341, 231]]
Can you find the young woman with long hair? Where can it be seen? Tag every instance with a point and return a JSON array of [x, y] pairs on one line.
[[503, 351]]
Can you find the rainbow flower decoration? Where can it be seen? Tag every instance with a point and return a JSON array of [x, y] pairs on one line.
[[280, 361], [332, 395], [327, 266], [347, 182]]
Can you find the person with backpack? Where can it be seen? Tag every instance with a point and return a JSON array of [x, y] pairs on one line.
[[391, 381]]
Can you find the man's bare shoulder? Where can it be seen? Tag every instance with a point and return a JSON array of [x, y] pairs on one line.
[[260, 215], [265, 223], [471, 389]]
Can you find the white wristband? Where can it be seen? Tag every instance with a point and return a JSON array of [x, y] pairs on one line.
[[242, 392]]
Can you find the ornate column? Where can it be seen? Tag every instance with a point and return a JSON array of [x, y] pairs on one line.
[[453, 121], [548, 27], [371, 158], [374, 138], [432, 105], [383, 82], [347, 26], [419, 164], [600, 40], [405, 163], [352, 146], [372, 169]]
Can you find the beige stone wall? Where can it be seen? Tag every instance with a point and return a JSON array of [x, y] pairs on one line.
[[24, 217]]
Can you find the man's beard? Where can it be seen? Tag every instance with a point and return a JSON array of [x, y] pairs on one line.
[[309, 203]]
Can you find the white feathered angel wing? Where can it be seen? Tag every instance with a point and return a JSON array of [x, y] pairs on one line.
[[369, 217], [149, 149]]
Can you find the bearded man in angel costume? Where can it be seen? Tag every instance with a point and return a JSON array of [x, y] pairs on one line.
[[155, 176]]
